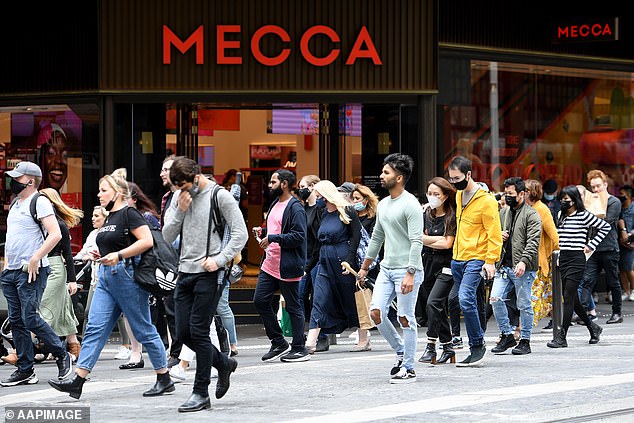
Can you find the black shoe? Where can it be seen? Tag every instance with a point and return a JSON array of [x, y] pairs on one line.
[[615, 318], [323, 344], [20, 378], [276, 352], [194, 403], [162, 386], [73, 385], [476, 358], [129, 365], [429, 356], [173, 361], [595, 331], [456, 343], [397, 365], [447, 354], [523, 348], [549, 326], [506, 341], [64, 365], [222, 386], [559, 341]]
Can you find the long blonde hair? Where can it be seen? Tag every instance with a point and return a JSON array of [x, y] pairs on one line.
[[328, 190], [70, 216]]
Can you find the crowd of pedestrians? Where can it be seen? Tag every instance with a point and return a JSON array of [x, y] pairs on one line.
[[461, 252]]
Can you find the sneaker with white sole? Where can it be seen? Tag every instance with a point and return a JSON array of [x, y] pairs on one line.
[[295, 356], [123, 353], [404, 376], [178, 373], [397, 365], [20, 378]]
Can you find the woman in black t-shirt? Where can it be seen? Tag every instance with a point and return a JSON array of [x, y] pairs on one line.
[[438, 238], [124, 235]]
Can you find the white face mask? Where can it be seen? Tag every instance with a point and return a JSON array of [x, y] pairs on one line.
[[434, 202]]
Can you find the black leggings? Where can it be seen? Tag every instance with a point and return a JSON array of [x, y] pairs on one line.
[[572, 265], [438, 324]]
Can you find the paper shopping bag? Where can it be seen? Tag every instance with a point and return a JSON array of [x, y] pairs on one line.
[[363, 298]]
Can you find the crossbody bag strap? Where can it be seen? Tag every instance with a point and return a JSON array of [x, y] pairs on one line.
[[211, 213]]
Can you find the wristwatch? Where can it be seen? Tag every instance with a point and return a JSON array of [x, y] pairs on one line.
[[411, 270]]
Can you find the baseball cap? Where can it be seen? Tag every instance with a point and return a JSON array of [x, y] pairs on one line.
[[347, 187], [550, 186], [25, 168]]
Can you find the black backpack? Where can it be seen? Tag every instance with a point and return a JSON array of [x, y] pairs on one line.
[[157, 270]]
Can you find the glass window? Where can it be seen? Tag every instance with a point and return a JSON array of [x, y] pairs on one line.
[[542, 122]]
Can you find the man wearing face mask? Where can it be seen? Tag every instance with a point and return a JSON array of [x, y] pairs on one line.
[[550, 197], [521, 232], [284, 244], [476, 248], [26, 270]]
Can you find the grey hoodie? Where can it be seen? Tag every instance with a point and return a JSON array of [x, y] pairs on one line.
[[194, 224]]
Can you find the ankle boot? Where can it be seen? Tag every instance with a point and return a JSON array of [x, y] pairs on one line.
[[73, 385], [447, 354], [595, 331], [429, 356], [162, 386], [559, 341]]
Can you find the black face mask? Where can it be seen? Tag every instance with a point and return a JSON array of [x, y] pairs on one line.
[[110, 204], [511, 201], [194, 191], [461, 185], [304, 193], [622, 198], [277, 191], [17, 187], [565, 205]]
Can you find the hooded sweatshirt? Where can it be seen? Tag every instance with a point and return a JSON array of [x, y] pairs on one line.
[[479, 234]]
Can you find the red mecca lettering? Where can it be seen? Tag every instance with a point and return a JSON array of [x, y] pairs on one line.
[[363, 47]]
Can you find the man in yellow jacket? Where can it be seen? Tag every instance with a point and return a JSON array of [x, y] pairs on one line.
[[476, 249]]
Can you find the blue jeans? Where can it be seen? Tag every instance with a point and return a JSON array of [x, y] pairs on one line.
[[466, 274], [117, 292], [226, 315], [505, 279], [23, 299], [386, 288]]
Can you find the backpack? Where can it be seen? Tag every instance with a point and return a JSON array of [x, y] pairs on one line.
[[363, 247], [33, 211], [157, 269]]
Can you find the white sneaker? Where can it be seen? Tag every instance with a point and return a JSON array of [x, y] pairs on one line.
[[632, 296], [123, 353], [178, 373], [624, 297]]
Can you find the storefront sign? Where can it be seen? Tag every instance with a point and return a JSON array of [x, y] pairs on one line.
[[269, 46], [363, 47], [590, 30]]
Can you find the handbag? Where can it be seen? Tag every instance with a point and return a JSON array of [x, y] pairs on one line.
[[363, 298]]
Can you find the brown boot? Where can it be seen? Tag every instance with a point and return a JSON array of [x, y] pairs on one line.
[[10, 358], [74, 348]]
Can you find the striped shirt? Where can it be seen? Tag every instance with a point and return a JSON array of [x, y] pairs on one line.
[[573, 231]]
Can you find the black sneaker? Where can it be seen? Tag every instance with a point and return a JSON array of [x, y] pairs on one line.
[[456, 342], [20, 378], [64, 365], [523, 348], [549, 326], [295, 355], [397, 365], [506, 341], [173, 362], [476, 358], [276, 352], [404, 376]]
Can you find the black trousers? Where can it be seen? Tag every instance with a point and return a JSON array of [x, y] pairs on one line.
[[437, 323], [572, 265], [609, 262], [195, 301], [170, 317]]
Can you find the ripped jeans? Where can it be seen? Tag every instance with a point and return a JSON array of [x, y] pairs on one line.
[[386, 288], [505, 279]]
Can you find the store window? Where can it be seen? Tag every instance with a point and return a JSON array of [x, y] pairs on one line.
[[57, 138], [541, 122]]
